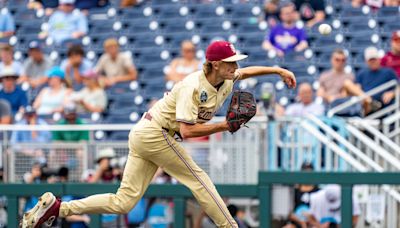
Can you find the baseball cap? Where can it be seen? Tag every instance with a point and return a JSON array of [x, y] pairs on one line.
[[223, 51], [371, 53], [332, 195], [105, 153], [90, 74], [8, 71], [66, 1], [34, 45], [55, 72], [396, 35], [69, 109]]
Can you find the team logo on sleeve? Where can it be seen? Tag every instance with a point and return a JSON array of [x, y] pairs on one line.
[[203, 97]]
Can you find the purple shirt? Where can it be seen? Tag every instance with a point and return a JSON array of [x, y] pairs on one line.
[[286, 39]]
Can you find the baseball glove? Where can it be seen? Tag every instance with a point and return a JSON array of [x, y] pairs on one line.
[[241, 109]]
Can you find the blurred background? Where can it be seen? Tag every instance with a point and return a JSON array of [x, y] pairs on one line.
[[101, 64]]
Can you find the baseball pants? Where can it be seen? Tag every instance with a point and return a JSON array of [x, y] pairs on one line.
[[151, 147]]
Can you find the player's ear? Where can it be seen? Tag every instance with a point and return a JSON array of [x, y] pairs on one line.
[[215, 64]]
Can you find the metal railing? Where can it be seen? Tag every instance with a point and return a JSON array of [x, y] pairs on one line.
[[261, 191], [357, 99]]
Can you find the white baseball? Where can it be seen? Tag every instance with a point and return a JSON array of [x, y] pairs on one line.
[[325, 29]]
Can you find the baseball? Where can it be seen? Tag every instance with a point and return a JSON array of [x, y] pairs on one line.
[[325, 29]]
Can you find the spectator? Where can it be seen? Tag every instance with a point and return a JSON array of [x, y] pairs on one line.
[[325, 207], [302, 194], [391, 3], [306, 104], [10, 92], [238, 215], [34, 176], [375, 75], [7, 25], [357, 3], [392, 58], [5, 112], [334, 81], [35, 67], [89, 4], [92, 97], [7, 59], [115, 66], [66, 23], [30, 118], [181, 67], [271, 11], [286, 37], [104, 169], [51, 99], [75, 65], [311, 11], [128, 3], [70, 117]]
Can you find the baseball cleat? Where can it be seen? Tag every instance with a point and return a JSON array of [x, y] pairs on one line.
[[44, 212]]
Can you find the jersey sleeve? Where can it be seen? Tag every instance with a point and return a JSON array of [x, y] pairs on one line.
[[186, 105]]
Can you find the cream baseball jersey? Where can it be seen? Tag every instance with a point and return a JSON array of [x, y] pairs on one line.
[[193, 100]]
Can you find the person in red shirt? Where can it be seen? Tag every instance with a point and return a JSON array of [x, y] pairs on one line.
[[392, 57]]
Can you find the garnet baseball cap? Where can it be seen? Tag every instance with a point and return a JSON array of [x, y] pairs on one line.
[[396, 35], [223, 51]]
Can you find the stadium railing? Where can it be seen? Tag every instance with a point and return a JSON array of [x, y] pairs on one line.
[[376, 115], [262, 191]]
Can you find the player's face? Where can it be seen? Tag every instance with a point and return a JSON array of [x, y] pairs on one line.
[[227, 70]]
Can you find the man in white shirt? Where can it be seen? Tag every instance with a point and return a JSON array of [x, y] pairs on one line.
[[306, 104], [325, 207]]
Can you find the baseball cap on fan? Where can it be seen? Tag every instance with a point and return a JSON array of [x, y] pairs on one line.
[[396, 35], [70, 2], [223, 51]]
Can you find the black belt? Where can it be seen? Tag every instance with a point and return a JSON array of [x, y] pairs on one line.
[[175, 134]]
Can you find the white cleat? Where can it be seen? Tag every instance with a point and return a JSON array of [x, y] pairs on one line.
[[45, 211]]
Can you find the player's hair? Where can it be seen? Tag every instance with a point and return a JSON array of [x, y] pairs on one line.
[[207, 67], [75, 49]]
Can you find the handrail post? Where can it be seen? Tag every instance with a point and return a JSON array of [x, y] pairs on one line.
[[347, 206], [179, 212], [12, 211], [264, 195]]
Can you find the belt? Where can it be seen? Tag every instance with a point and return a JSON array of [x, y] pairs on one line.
[[172, 133]]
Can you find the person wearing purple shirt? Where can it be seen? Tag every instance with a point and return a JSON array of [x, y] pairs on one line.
[[286, 37]]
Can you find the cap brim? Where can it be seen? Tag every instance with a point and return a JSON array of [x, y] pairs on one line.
[[234, 58], [334, 205], [12, 75]]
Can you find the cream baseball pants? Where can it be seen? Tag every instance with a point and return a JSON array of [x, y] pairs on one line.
[[151, 147]]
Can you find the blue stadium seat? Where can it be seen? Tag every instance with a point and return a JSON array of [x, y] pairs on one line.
[[203, 10], [119, 136], [241, 10]]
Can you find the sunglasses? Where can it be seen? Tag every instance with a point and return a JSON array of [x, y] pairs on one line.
[[340, 60], [189, 50]]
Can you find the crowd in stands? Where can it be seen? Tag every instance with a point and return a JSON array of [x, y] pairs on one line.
[[39, 87]]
